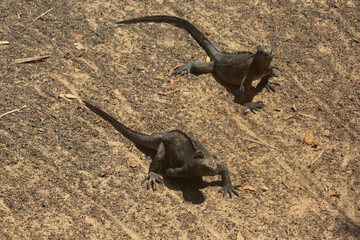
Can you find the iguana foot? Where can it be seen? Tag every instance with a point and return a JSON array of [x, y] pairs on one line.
[[230, 189], [253, 106], [273, 74], [270, 86], [182, 70], [154, 179]]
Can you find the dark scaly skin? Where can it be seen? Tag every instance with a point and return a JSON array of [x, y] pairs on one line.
[[237, 69], [177, 155]]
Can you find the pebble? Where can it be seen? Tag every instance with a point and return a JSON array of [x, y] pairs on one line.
[[79, 46]]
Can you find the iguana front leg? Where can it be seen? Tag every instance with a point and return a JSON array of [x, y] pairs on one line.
[[155, 167], [195, 68], [245, 100], [228, 188], [265, 83]]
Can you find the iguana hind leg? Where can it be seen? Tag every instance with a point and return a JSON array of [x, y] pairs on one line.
[[155, 167], [196, 68], [228, 188]]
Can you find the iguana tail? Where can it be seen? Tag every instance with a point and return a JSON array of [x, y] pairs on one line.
[[148, 141], [200, 38]]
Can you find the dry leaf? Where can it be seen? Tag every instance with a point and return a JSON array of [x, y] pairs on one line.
[[289, 185], [341, 103], [172, 81], [309, 140], [215, 116], [315, 142], [237, 114], [251, 146], [158, 77], [240, 236], [332, 193], [78, 37], [132, 163], [177, 66], [248, 187], [70, 96], [289, 116]]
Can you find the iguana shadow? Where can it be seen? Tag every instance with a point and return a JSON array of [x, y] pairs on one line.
[[190, 187], [348, 227], [235, 91]]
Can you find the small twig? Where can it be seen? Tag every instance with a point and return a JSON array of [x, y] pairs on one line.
[[12, 111], [30, 59], [305, 115], [317, 158], [4, 43], [169, 92], [43, 14], [255, 141]]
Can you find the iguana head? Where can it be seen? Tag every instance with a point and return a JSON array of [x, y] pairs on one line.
[[262, 60], [265, 52], [204, 166]]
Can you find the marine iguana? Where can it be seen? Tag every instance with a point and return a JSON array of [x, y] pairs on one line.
[[238, 69], [177, 155]]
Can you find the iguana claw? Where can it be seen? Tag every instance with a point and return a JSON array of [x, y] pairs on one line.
[[182, 70], [269, 86], [230, 189], [154, 179], [253, 106]]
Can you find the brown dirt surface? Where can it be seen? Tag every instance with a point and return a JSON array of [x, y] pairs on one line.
[[65, 174]]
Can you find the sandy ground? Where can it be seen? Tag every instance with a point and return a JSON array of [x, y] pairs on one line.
[[65, 174]]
